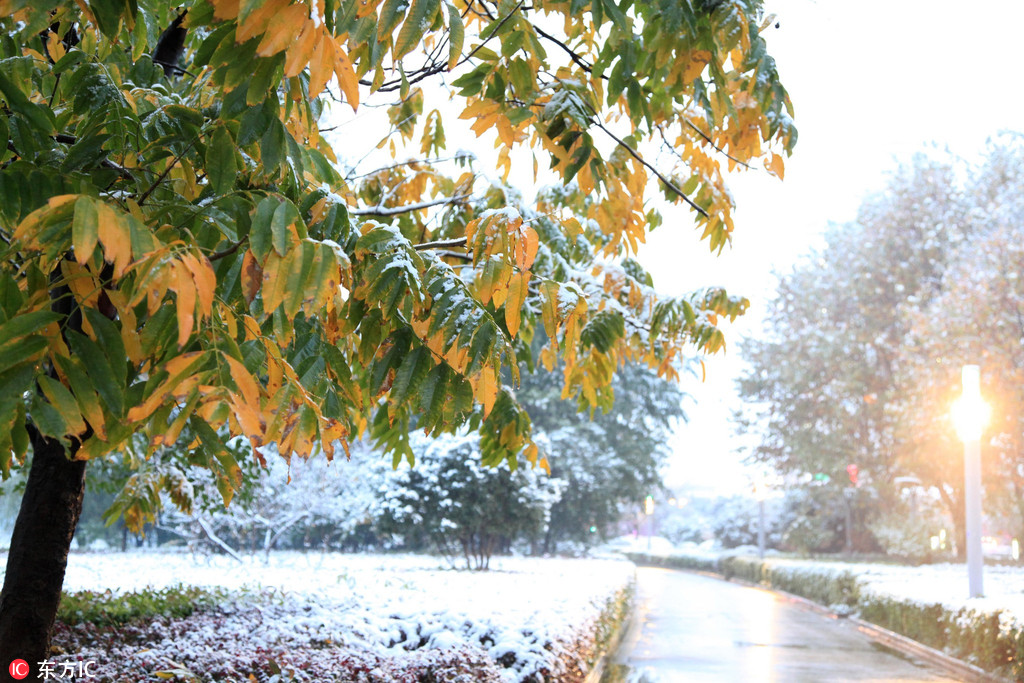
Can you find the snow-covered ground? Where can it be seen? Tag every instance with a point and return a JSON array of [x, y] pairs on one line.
[[524, 612]]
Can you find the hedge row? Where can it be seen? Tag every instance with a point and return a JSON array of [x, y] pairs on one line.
[[993, 641]]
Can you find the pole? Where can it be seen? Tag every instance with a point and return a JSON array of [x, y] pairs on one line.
[[972, 509], [760, 528]]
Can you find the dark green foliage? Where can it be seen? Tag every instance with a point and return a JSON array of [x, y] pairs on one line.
[[111, 609]]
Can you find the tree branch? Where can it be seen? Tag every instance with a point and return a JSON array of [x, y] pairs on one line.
[[573, 55], [427, 72], [710, 141], [217, 255], [636, 155], [408, 208], [442, 244], [160, 178]]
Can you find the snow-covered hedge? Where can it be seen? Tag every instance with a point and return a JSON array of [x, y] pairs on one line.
[[332, 617], [992, 640]]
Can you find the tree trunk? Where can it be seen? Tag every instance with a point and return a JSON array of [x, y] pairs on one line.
[[39, 554]]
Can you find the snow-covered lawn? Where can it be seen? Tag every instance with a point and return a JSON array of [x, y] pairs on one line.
[[529, 615]]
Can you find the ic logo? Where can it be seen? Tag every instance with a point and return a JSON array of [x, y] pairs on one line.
[[19, 669]]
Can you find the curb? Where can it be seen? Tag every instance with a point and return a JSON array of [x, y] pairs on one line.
[[968, 673], [597, 671]]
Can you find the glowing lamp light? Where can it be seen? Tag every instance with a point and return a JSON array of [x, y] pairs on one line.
[[970, 412], [649, 505]]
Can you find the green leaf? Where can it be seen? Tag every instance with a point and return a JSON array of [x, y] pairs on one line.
[[25, 325], [38, 115], [100, 371], [63, 402], [390, 14], [260, 236], [273, 146], [84, 228], [285, 215], [414, 369], [456, 36], [46, 418], [421, 16], [109, 338], [220, 160]]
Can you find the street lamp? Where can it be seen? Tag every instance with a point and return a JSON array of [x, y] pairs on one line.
[[970, 415]]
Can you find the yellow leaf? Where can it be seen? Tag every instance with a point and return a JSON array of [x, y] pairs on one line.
[[186, 303], [176, 384], [225, 9], [300, 52], [283, 28], [256, 21], [322, 65], [516, 300], [486, 390], [115, 236], [205, 280], [347, 78], [776, 166], [246, 384], [698, 60]]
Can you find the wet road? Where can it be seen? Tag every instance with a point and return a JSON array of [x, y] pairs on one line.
[[696, 629]]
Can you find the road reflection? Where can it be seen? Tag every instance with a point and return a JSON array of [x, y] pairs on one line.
[[698, 629]]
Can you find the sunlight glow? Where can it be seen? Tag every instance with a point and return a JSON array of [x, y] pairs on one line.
[[970, 413]]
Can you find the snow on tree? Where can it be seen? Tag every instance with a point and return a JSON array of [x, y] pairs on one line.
[[451, 501]]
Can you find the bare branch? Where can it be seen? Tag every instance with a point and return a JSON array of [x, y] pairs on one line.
[[408, 208], [216, 256], [427, 72], [441, 244], [456, 254], [410, 162], [711, 142], [573, 55], [636, 155], [160, 178]]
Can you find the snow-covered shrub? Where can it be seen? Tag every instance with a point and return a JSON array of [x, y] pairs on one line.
[[985, 639], [451, 501], [305, 503], [905, 531]]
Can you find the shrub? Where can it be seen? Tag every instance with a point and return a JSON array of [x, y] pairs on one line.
[[113, 609]]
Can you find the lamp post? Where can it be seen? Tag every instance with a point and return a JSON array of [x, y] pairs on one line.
[[970, 414]]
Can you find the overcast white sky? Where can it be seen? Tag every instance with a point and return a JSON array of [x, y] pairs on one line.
[[872, 82]]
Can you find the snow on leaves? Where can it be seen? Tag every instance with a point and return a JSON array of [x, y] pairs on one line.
[[183, 260]]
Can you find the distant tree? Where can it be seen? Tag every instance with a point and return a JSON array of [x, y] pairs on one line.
[[182, 260], [610, 458], [451, 502], [823, 376], [286, 505], [867, 336], [977, 318]]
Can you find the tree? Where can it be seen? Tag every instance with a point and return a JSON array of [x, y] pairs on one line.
[[450, 501], [610, 457], [183, 261], [867, 336], [975, 318], [824, 375]]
